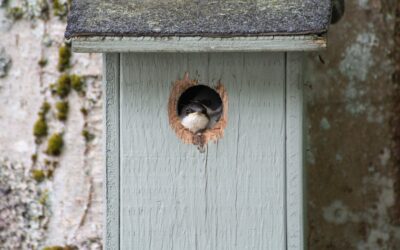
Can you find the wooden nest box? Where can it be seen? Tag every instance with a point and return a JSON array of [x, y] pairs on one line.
[[240, 186]]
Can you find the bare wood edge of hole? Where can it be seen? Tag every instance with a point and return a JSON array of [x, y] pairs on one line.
[[200, 139]]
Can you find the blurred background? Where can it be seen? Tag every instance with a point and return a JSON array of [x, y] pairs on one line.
[[51, 127]]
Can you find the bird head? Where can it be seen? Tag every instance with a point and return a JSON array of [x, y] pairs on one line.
[[193, 107]]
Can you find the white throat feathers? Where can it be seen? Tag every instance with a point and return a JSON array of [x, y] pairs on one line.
[[195, 122]]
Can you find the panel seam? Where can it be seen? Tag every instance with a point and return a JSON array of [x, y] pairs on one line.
[[285, 152]]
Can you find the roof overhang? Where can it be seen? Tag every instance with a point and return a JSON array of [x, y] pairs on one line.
[[198, 25]]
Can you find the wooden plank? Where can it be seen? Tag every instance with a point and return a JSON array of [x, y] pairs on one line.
[[111, 69], [198, 44], [232, 196], [162, 179], [246, 167], [294, 152]]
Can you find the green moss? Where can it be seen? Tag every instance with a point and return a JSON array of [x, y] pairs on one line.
[[55, 164], [77, 83], [63, 86], [40, 128], [62, 110], [64, 56], [60, 9], [50, 173], [38, 175], [60, 248], [42, 62], [34, 158], [84, 111], [87, 135], [53, 248], [55, 145], [44, 109], [44, 9], [15, 13]]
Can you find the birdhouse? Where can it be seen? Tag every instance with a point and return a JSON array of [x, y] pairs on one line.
[[203, 109]]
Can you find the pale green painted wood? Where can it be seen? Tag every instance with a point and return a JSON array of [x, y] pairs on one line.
[[198, 44], [111, 88], [294, 152], [231, 197]]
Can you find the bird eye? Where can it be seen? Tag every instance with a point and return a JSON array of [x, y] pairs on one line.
[[188, 111]]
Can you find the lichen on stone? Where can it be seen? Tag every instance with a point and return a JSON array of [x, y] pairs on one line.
[[3, 3], [15, 13], [5, 63], [20, 207], [43, 9], [44, 197], [55, 145], [64, 56], [62, 110]]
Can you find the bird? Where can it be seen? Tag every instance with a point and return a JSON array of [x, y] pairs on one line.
[[194, 117], [199, 108]]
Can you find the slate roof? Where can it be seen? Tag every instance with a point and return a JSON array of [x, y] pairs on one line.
[[207, 18]]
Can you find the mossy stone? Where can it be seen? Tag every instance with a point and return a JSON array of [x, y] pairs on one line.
[[60, 9], [84, 111], [38, 175], [16, 13], [77, 83], [63, 86], [55, 145], [53, 248], [44, 109], [62, 110], [64, 56], [87, 135], [42, 62], [40, 128]]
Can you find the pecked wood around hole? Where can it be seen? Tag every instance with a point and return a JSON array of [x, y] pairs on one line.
[[200, 139]]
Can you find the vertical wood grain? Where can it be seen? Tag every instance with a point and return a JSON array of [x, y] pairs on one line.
[[111, 88], [294, 151], [232, 196]]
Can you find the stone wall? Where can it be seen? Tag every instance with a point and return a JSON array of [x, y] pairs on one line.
[[351, 154]]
